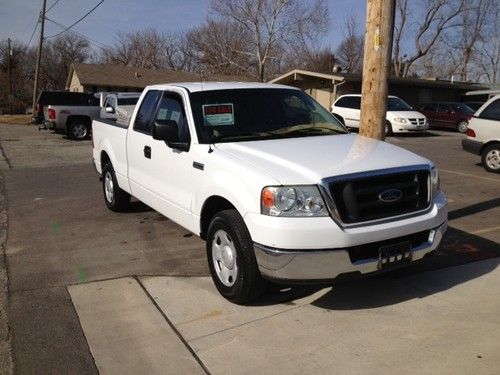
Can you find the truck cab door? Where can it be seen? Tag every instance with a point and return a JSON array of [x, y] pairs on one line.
[[159, 175]]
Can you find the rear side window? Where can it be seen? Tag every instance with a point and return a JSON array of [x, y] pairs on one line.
[[432, 107], [144, 118], [349, 102], [492, 112]]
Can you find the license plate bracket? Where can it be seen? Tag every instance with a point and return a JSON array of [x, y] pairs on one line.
[[394, 255]]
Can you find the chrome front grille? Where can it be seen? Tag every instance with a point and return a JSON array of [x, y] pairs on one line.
[[417, 121], [378, 195]]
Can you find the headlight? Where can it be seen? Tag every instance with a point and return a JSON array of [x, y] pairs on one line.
[[292, 201], [401, 120], [434, 181]]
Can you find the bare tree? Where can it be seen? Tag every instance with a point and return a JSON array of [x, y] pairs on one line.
[[431, 19], [271, 23], [350, 50], [58, 55], [474, 20], [220, 47], [487, 51]]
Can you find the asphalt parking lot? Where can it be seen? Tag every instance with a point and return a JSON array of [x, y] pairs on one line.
[[94, 291]]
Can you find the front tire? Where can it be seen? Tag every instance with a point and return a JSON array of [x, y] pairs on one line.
[[231, 258], [462, 126], [388, 128], [115, 198], [491, 158]]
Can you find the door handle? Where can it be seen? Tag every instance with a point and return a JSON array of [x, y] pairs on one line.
[[147, 152]]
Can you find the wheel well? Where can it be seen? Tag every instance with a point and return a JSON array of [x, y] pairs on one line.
[[488, 145], [339, 117], [211, 207], [104, 159], [72, 119]]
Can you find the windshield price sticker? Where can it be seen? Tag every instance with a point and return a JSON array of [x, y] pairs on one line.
[[218, 114]]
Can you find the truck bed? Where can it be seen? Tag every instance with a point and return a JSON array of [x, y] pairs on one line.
[[111, 138]]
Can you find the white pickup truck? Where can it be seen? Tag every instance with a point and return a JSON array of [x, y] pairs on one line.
[[276, 186]]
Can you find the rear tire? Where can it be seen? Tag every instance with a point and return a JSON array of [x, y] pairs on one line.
[[79, 130], [115, 198], [491, 158], [231, 258]]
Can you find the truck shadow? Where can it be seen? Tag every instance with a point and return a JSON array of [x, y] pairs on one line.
[[458, 249]]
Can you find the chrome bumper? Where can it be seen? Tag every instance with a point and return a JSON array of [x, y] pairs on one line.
[[327, 264]]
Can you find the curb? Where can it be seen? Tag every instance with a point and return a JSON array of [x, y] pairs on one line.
[[6, 364]]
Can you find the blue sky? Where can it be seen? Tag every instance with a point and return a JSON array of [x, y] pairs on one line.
[[18, 17]]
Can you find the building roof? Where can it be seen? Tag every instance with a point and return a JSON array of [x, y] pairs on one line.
[[211, 85], [126, 76], [300, 75]]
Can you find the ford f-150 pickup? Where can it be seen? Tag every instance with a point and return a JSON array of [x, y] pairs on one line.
[[276, 185]]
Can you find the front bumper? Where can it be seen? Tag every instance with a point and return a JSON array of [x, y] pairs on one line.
[[49, 125], [325, 264], [409, 128], [474, 147]]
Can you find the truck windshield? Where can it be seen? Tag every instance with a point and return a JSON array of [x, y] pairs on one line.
[[258, 114]]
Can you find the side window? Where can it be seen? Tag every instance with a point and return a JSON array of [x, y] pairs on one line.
[[171, 107], [353, 102], [430, 107], [341, 102], [492, 112], [143, 120], [442, 107], [356, 102]]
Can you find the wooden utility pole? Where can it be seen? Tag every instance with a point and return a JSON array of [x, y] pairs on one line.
[[376, 67], [39, 55], [9, 54]]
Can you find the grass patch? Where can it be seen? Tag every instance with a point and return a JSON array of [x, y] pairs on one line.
[[15, 119]]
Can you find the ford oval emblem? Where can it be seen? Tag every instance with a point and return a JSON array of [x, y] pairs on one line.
[[391, 195]]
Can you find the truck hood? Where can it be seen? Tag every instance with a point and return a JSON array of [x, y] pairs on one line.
[[307, 160]]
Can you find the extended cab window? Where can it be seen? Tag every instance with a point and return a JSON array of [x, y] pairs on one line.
[[172, 108], [492, 112], [144, 119]]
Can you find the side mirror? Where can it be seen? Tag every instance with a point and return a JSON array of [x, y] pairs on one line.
[[109, 110], [165, 130]]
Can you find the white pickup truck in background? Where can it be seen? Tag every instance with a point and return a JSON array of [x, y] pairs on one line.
[[276, 185], [118, 106]]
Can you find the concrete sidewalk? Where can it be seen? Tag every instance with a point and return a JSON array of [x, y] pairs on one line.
[[445, 321]]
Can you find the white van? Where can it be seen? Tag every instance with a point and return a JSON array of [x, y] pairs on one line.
[[400, 116], [483, 135]]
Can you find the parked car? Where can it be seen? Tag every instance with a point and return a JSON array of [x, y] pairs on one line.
[[119, 106], [483, 135], [451, 115], [58, 98], [73, 120], [400, 117], [276, 185]]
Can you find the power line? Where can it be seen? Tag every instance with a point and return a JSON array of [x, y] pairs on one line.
[[95, 42], [52, 6], [34, 30], [77, 21]]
